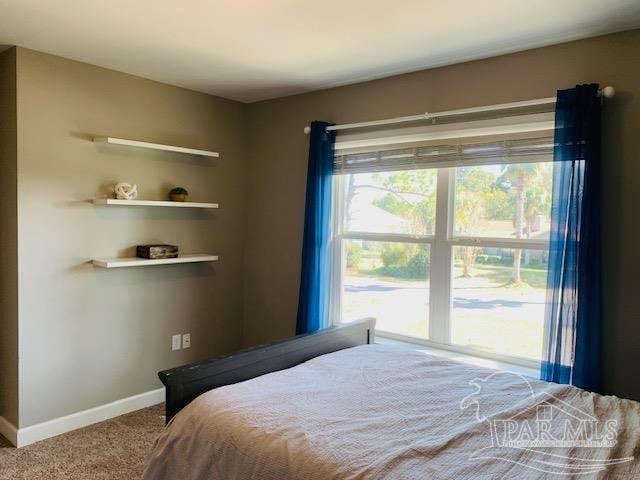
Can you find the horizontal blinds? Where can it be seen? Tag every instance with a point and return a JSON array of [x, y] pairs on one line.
[[518, 138], [448, 155], [537, 124]]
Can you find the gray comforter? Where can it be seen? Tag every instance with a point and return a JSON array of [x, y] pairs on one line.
[[379, 412]]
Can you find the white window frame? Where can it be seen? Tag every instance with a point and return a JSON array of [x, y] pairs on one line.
[[441, 252]]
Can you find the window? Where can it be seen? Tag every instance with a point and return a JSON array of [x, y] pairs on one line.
[[390, 279], [451, 253]]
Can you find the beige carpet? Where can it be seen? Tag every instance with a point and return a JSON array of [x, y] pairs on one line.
[[115, 449]]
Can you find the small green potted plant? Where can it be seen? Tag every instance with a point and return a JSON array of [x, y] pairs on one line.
[[178, 194]]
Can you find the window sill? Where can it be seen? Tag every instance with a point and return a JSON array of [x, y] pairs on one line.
[[461, 357]]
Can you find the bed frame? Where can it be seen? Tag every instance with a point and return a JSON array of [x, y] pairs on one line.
[[185, 383]]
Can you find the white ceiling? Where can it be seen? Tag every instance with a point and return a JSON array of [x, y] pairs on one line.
[[251, 50]]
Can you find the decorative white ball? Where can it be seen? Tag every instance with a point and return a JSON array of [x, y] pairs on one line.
[[608, 92], [126, 191]]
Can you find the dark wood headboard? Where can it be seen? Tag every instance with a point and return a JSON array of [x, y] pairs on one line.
[[185, 383]]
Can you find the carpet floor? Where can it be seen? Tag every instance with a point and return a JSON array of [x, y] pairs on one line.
[[115, 449]]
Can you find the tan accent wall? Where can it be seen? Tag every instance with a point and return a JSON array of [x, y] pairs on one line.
[[278, 159], [89, 336], [8, 240]]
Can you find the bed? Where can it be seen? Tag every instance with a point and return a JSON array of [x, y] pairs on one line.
[[334, 405]]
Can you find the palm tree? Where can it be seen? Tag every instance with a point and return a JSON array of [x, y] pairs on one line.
[[470, 210], [520, 175]]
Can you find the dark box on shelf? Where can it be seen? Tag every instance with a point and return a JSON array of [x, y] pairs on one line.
[[156, 251]]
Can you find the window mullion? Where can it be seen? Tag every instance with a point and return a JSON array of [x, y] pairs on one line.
[[485, 242], [388, 237], [337, 250], [440, 274]]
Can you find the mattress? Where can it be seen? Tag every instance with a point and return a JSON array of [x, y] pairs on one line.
[[384, 412]]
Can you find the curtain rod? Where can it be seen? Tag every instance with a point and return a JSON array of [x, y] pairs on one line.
[[606, 92]]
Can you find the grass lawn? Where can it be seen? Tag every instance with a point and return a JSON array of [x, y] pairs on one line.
[[501, 275], [486, 312]]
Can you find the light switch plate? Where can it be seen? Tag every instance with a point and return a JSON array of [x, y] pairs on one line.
[[186, 340], [175, 342]]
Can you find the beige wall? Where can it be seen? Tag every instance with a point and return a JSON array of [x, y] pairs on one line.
[[89, 336], [278, 158], [8, 240]]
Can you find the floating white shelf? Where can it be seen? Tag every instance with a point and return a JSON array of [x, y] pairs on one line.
[[144, 262], [152, 203], [155, 146]]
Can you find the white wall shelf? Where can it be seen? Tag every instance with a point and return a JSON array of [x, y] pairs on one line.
[[152, 203], [144, 262], [155, 146]]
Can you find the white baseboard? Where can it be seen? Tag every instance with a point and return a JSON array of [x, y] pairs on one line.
[[57, 426], [8, 430]]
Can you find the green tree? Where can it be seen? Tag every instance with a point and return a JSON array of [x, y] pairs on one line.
[[531, 198], [354, 255], [410, 195], [474, 187], [537, 196]]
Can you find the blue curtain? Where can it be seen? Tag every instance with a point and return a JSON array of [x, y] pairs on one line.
[[313, 305], [572, 351]]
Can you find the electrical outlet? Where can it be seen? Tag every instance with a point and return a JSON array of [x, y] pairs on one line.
[[175, 342], [186, 340]]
